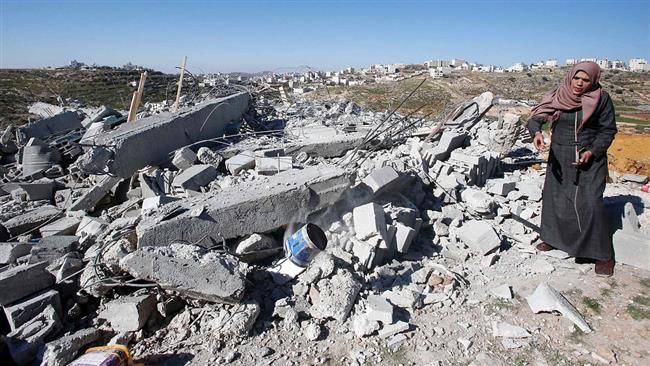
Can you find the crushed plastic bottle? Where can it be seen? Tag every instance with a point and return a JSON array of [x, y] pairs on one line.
[[113, 355]]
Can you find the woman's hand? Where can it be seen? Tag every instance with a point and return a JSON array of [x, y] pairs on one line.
[[538, 141]]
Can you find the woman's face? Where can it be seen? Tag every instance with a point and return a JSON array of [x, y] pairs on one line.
[[580, 83]]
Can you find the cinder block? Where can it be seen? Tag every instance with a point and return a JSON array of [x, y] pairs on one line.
[[403, 237], [239, 162], [184, 158], [381, 179], [369, 220], [129, 313], [21, 281], [195, 177], [21, 312], [365, 252], [479, 236]]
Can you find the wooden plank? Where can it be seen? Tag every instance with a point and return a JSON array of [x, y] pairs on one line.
[[180, 85]]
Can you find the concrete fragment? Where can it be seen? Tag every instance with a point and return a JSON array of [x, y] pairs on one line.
[[336, 296], [379, 309], [25, 342], [39, 190], [500, 186], [381, 180], [9, 252], [530, 190], [449, 142], [195, 177], [362, 326], [151, 204], [63, 226], [504, 292], [270, 166], [239, 162], [65, 349], [255, 242], [369, 220], [89, 228], [30, 220], [501, 329], [632, 248], [90, 199], [630, 219], [21, 281], [129, 313], [183, 158], [479, 236], [635, 178], [21, 312], [390, 330], [52, 248], [404, 236], [44, 128], [267, 204], [132, 144], [207, 156], [542, 266], [217, 280], [547, 299], [312, 331]]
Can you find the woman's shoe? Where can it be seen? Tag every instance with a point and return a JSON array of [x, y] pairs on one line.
[[604, 268], [543, 247]]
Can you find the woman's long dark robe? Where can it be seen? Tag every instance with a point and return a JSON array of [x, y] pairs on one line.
[[573, 217]]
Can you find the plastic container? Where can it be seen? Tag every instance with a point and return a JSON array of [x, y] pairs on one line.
[[113, 355], [304, 244]]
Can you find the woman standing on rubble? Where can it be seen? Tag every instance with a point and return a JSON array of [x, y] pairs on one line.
[[582, 129]]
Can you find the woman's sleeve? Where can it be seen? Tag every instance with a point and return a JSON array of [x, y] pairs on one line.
[[607, 124], [535, 125]]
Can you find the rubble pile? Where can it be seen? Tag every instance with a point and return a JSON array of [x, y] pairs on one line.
[[165, 235]]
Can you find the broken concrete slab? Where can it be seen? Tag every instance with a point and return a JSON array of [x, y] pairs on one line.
[[21, 281], [216, 280], [242, 161], [44, 128], [151, 204], [89, 228], [630, 220], [504, 292], [632, 248], [25, 342], [255, 242], [501, 329], [62, 351], [500, 186], [9, 252], [150, 140], [479, 236], [369, 220], [129, 313], [547, 299], [63, 226], [381, 180], [635, 178], [259, 206], [183, 158], [336, 296], [379, 309], [270, 166], [52, 248], [362, 326], [195, 177], [390, 330], [31, 219], [97, 192], [21, 312], [403, 237], [42, 189]]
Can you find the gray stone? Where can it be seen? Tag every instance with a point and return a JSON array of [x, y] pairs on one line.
[[25, 342], [501, 329], [390, 330], [129, 313], [40, 190], [530, 190], [504, 292], [632, 248], [239, 162], [207, 156], [362, 326], [449, 142], [547, 299], [195, 177], [403, 237], [151, 204], [379, 309], [255, 242], [635, 178], [21, 281], [150, 140], [630, 219], [218, 280], [381, 180], [21, 312], [97, 192], [479, 236], [312, 331], [500, 186], [63, 350], [270, 166], [261, 205], [9, 252], [336, 296]]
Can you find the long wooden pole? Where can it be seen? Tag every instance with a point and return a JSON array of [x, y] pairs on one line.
[[137, 98], [180, 85]]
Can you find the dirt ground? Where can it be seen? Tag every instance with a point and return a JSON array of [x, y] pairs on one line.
[[630, 153]]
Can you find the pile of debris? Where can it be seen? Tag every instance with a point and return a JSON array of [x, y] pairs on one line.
[[168, 231]]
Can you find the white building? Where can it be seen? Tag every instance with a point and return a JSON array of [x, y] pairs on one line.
[[456, 62], [591, 59], [604, 63], [518, 67], [438, 72], [618, 65], [571, 61], [437, 63], [638, 64], [551, 63]]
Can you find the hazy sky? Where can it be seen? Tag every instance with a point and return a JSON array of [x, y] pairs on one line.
[[270, 35]]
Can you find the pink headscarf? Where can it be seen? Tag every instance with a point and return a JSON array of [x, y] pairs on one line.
[[563, 99]]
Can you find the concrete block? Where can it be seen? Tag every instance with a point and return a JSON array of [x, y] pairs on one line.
[[632, 248], [403, 237], [239, 162], [151, 204], [40, 190], [21, 312], [500, 186], [479, 236], [21, 281], [9, 252], [449, 141], [96, 193], [89, 228], [63, 226], [478, 201], [390, 330], [501, 329], [547, 299], [270, 166], [63, 350], [379, 309], [44, 128], [31, 219], [25, 342], [365, 252], [150, 140], [635, 178], [255, 242], [382, 179], [216, 280], [51, 248], [184, 158], [630, 221], [530, 190], [207, 156], [129, 313], [195, 177], [254, 206], [369, 220]]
